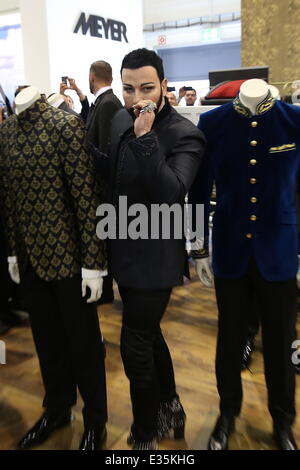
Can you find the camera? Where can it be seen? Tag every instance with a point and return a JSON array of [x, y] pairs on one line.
[[64, 80], [170, 88], [187, 88]]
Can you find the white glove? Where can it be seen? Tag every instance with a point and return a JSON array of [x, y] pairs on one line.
[[94, 280], [13, 269], [298, 273], [204, 272]]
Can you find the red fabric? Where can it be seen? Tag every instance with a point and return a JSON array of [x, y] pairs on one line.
[[225, 90]]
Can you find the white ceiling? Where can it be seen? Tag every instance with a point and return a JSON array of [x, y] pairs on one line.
[[9, 5], [158, 11]]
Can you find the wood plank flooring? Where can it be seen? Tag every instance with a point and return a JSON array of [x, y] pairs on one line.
[[190, 327]]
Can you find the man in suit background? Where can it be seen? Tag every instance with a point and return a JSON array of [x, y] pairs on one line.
[[102, 111]]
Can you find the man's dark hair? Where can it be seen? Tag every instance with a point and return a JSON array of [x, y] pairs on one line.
[[142, 58], [192, 89], [102, 71]]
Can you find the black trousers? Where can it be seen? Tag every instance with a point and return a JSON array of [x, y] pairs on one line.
[[277, 306], [5, 281], [146, 357], [68, 342]]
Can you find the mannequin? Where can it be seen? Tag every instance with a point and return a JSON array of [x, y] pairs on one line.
[[90, 278], [56, 100], [50, 204], [252, 93], [253, 158], [26, 98]]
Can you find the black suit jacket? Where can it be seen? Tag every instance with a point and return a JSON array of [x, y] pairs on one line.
[[99, 120], [156, 168]]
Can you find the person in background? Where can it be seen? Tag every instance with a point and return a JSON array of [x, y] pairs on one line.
[[190, 97], [189, 94], [85, 106], [172, 98], [105, 106]]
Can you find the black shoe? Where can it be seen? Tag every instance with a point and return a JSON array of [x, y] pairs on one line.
[[44, 427], [93, 439], [171, 417], [284, 438], [247, 354], [297, 368], [220, 435], [4, 327]]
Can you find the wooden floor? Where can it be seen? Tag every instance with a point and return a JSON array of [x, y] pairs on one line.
[[190, 327]]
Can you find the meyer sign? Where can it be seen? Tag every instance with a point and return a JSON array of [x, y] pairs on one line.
[[101, 28]]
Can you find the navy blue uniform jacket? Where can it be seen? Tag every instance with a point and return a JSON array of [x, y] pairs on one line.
[[254, 162]]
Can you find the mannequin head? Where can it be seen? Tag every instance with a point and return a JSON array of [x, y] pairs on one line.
[[26, 98], [55, 100], [253, 92]]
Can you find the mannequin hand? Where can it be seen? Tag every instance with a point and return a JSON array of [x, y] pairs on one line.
[[13, 269], [95, 286], [298, 273], [94, 280], [204, 272]]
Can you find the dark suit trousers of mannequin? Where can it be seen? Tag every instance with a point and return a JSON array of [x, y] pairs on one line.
[[146, 357], [277, 306], [5, 281], [68, 342]]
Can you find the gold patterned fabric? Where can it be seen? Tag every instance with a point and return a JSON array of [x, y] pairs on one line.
[[261, 108], [271, 36], [49, 193]]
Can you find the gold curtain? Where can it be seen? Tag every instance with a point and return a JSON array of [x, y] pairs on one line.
[[271, 36]]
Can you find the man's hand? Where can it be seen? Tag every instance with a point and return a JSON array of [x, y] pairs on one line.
[[181, 93], [73, 85], [144, 120], [62, 88], [204, 272]]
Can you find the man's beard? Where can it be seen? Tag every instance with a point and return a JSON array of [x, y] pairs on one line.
[[156, 111]]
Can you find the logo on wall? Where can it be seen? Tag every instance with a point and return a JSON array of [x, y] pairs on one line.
[[162, 40], [101, 28]]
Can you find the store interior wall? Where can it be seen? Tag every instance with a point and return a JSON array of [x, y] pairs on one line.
[[72, 54]]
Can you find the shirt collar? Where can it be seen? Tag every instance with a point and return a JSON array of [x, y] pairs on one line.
[[267, 103], [101, 91]]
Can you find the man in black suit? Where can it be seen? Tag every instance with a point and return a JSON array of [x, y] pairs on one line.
[[154, 157], [98, 130]]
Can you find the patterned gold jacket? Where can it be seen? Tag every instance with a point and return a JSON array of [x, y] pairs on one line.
[[49, 193]]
